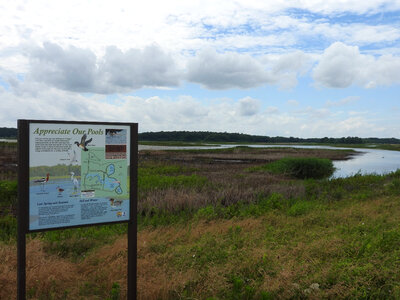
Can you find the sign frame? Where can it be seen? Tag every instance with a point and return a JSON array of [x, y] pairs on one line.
[[24, 199]]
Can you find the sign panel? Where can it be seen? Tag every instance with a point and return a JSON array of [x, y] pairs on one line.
[[78, 174]]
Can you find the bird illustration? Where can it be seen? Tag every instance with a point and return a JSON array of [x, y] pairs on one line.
[[83, 143], [42, 180], [72, 157], [74, 181], [60, 190], [114, 202]]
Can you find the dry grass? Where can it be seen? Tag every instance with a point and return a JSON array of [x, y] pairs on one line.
[[8, 161], [286, 256], [319, 253]]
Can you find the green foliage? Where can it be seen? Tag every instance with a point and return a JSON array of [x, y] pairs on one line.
[[152, 177], [115, 292], [358, 187], [300, 208], [162, 182], [240, 289], [301, 168], [75, 243], [8, 193], [90, 288], [389, 241], [8, 132], [8, 228], [156, 169], [199, 136]]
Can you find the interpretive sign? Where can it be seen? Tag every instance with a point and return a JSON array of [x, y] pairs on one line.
[[73, 174], [78, 174]]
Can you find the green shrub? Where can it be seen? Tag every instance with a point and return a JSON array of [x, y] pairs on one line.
[[301, 208], [8, 228], [302, 168], [115, 292], [8, 192], [75, 243]]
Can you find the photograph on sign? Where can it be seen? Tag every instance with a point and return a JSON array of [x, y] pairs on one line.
[[78, 174]]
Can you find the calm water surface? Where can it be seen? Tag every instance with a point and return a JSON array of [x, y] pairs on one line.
[[367, 161]]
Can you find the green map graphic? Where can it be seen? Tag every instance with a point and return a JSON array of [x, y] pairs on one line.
[[108, 177]]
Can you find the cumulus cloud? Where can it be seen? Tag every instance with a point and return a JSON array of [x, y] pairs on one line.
[[184, 113], [338, 67], [228, 70], [72, 69], [233, 70], [138, 68], [79, 70], [249, 106], [341, 66]]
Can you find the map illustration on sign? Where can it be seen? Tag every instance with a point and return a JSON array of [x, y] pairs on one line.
[[106, 177]]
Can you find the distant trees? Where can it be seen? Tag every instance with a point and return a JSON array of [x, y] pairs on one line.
[[8, 132], [206, 136], [200, 136]]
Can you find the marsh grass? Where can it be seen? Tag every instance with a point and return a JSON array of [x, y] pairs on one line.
[[301, 168], [223, 232]]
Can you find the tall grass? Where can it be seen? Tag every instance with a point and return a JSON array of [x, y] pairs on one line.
[[301, 168], [225, 233]]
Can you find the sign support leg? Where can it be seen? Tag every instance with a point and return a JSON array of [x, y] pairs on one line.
[[21, 257]]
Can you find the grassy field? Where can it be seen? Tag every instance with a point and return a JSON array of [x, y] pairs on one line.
[[220, 225]]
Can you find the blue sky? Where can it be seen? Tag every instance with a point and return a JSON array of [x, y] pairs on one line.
[[288, 68]]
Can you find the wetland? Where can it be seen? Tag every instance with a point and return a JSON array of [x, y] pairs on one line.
[[216, 224]]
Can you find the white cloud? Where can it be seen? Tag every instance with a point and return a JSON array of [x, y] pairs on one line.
[[184, 113], [79, 70], [218, 44], [229, 70], [139, 68], [342, 102], [73, 69], [341, 66], [232, 70], [249, 106]]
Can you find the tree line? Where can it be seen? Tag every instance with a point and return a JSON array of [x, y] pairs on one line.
[[8, 132], [208, 136]]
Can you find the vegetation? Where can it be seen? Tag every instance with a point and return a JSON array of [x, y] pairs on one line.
[[8, 132], [224, 226], [301, 168], [220, 137], [206, 136]]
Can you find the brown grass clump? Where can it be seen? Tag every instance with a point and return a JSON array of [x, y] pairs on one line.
[[8, 161], [46, 275], [8, 271]]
